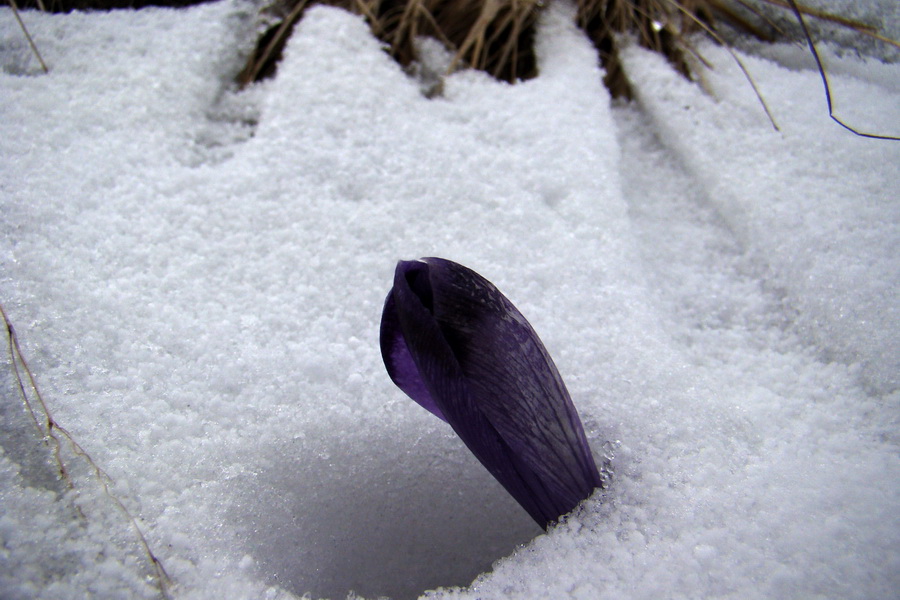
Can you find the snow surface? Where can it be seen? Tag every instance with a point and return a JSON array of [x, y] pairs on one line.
[[196, 276]]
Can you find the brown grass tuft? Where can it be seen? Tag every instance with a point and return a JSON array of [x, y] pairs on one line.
[[497, 36], [660, 25]]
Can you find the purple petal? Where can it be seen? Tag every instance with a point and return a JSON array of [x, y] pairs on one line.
[[399, 362], [460, 348], [514, 380]]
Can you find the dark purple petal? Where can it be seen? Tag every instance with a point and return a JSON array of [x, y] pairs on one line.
[[456, 345], [399, 362], [514, 380]]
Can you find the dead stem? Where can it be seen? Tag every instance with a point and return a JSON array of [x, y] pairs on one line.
[[53, 433]]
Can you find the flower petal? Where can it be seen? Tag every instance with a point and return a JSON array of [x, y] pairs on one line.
[[515, 382], [399, 362], [458, 347]]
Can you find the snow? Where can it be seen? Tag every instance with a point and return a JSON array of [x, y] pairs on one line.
[[196, 277]]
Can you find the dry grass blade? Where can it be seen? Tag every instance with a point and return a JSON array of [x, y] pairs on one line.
[[732, 15], [53, 433], [15, 10], [709, 31], [722, 6], [821, 14], [881, 38], [815, 53], [270, 47], [473, 44], [495, 36]]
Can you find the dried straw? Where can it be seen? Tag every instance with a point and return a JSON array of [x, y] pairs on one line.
[[496, 36]]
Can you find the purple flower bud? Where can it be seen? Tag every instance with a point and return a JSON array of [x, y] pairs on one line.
[[453, 343]]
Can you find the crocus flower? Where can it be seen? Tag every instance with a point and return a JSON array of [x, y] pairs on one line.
[[456, 345]]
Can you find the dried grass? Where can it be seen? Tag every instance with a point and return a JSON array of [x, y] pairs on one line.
[[31, 44], [66, 451], [496, 36]]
